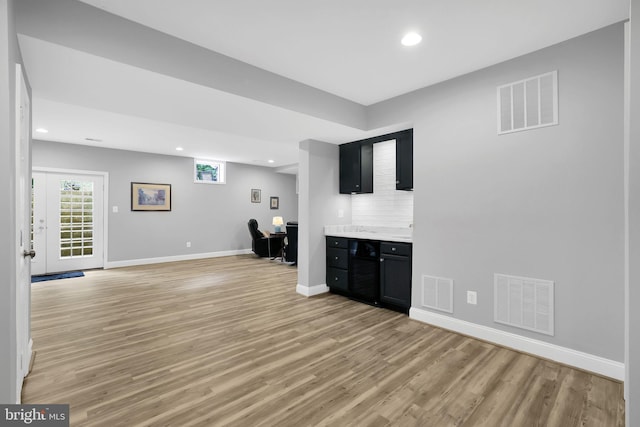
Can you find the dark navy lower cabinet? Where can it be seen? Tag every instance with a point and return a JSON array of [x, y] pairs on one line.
[[337, 264], [374, 272], [395, 275]]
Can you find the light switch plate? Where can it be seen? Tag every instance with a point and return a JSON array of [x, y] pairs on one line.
[[472, 297]]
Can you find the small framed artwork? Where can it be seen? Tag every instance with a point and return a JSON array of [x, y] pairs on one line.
[[275, 202], [255, 195], [209, 171], [150, 197]]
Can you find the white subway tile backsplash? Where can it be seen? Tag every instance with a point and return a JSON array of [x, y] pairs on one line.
[[386, 206]]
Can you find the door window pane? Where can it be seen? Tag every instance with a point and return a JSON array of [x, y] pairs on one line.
[[76, 219]]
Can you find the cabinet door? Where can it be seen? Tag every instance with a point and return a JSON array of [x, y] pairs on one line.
[[404, 161], [395, 280], [366, 168], [356, 168], [349, 168]]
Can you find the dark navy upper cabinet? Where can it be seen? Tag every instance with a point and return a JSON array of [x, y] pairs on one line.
[[404, 160], [356, 168], [356, 163]]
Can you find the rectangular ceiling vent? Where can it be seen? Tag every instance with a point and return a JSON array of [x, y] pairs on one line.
[[524, 303], [437, 293], [528, 104]]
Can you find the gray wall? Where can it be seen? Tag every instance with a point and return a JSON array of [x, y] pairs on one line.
[[9, 56], [212, 217], [545, 203], [632, 380], [320, 202]]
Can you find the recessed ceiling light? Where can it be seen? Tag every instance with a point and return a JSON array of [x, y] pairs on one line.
[[42, 130], [411, 39], [271, 161], [179, 148]]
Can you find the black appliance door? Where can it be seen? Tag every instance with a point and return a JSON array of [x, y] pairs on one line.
[[364, 270]]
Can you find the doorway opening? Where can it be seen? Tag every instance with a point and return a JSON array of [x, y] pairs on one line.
[[68, 221]]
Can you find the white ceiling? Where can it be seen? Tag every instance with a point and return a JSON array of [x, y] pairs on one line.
[[78, 96], [350, 49]]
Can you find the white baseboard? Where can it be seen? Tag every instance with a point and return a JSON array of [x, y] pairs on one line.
[[144, 261], [588, 362], [309, 291]]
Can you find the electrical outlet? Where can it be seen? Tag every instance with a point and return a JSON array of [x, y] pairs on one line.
[[114, 209], [472, 297], [188, 244]]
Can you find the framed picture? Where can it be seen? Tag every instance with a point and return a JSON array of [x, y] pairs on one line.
[[209, 171], [150, 197], [255, 195], [275, 202]]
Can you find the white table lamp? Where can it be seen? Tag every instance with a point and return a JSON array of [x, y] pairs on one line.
[[277, 222]]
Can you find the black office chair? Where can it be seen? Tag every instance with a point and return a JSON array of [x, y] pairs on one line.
[[291, 249], [260, 244]]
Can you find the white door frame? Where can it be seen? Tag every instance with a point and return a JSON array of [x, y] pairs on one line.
[[38, 224], [105, 199]]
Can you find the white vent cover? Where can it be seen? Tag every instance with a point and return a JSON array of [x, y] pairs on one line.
[[528, 104], [524, 303], [437, 293]]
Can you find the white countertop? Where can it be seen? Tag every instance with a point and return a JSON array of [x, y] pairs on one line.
[[384, 234]]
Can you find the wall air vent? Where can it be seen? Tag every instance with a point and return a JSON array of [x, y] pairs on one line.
[[437, 293], [528, 104], [524, 303]]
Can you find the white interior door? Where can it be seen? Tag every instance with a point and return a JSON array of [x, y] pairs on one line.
[[24, 252], [68, 222]]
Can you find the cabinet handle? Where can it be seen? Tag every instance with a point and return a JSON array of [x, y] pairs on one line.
[[335, 278], [336, 258], [393, 249], [381, 259]]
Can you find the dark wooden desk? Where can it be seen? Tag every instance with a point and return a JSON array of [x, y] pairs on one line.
[[280, 236]]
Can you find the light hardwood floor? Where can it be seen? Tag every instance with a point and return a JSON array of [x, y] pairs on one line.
[[227, 341]]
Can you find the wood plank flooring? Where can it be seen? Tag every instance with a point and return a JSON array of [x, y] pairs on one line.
[[227, 341]]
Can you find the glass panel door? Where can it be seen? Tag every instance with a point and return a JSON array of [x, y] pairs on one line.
[[67, 222]]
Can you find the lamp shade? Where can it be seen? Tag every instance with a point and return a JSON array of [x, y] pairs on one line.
[[277, 221]]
